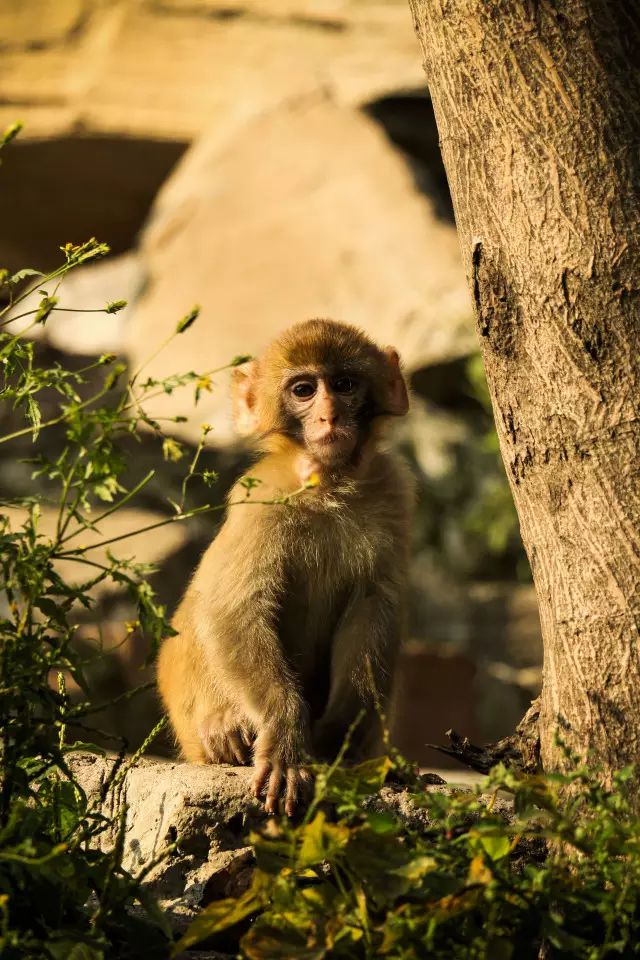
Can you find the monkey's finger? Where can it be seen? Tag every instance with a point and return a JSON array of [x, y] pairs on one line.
[[238, 748], [273, 789], [306, 776], [292, 795], [307, 782], [260, 777]]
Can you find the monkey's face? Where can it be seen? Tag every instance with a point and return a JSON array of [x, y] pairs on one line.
[[324, 409], [323, 385]]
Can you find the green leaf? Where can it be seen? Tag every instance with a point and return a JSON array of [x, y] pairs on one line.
[[321, 841], [67, 950], [496, 846], [416, 868], [114, 375], [23, 274], [269, 941], [249, 483], [219, 915], [382, 823], [34, 416]]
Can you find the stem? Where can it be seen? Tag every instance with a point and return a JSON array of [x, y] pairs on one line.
[[63, 502], [197, 511], [55, 420], [60, 272], [112, 509], [65, 554], [135, 402], [192, 467], [145, 363]]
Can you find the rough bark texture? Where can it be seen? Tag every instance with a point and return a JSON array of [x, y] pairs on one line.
[[538, 109]]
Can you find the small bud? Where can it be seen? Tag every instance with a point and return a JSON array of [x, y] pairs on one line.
[[112, 379], [107, 358], [172, 450], [206, 428], [210, 477], [187, 320], [249, 483], [312, 481], [115, 306], [239, 360], [11, 132]]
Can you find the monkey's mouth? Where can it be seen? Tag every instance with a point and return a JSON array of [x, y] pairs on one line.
[[333, 439], [335, 447]]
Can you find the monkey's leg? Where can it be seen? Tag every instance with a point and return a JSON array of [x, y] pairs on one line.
[[362, 665], [207, 728], [225, 737]]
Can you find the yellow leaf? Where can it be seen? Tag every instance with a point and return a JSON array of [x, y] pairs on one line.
[[222, 914], [479, 872], [320, 840]]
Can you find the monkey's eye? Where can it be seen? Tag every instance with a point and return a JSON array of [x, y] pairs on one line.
[[344, 385], [303, 390]]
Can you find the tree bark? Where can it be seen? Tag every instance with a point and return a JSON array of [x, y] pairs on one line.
[[538, 108]]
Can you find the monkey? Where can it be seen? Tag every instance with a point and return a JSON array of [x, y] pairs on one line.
[[290, 627]]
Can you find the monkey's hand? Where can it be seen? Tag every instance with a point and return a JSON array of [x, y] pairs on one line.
[[225, 739], [278, 772]]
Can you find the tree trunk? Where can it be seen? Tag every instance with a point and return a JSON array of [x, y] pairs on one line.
[[538, 109]]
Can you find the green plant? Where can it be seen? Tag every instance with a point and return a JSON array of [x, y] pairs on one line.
[[555, 871], [64, 892]]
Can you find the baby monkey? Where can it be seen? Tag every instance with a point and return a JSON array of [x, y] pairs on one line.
[[292, 621]]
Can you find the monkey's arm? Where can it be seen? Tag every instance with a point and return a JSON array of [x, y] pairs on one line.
[[363, 658], [237, 592]]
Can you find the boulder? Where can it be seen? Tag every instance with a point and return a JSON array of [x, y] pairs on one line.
[[187, 826], [167, 69], [205, 811], [309, 212]]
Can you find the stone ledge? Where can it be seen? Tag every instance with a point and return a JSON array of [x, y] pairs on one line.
[[210, 811]]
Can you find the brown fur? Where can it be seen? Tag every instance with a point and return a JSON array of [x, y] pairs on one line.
[[292, 621]]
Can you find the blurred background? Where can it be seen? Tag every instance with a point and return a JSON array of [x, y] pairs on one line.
[[270, 160]]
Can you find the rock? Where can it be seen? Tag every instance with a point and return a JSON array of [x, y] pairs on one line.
[[206, 810], [163, 69], [310, 212], [187, 825]]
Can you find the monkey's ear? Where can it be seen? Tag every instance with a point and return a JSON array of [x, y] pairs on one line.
[[396, 397], [244, 396]]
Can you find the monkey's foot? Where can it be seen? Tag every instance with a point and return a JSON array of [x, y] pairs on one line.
[[225, 742], [277, 779]]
